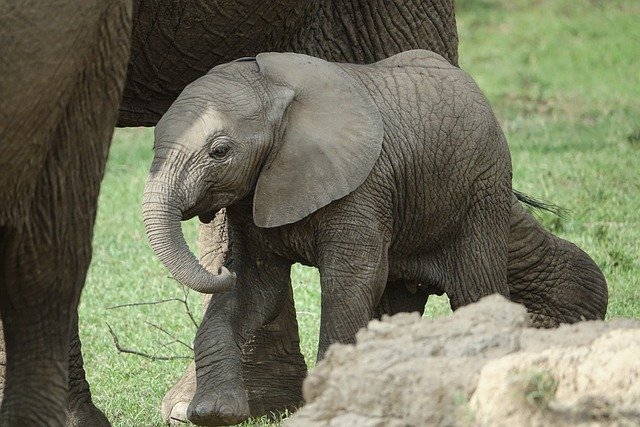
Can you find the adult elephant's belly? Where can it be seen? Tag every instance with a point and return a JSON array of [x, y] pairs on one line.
[[174, 43]]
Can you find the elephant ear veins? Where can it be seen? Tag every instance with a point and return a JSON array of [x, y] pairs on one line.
[[332, 140]]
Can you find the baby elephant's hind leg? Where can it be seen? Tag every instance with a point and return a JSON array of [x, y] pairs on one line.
[[553, 278], [475, 264]]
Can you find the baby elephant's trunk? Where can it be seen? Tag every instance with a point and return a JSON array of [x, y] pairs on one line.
[[162, 215]]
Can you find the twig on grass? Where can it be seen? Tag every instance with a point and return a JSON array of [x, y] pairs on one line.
[[184, 301], [164, 331], [167, 345], [151, 357], [137, 304]]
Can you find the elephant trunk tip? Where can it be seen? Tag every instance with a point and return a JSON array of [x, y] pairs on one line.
[[223, 281]]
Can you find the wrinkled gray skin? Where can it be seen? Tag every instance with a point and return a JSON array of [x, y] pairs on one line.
[[557, 282], [338, 30], [391, 172], [61, 77]]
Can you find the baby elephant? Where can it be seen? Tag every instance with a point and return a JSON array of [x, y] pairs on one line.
[[395, 172]]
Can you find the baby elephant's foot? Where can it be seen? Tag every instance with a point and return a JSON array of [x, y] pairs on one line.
[[221, 408]]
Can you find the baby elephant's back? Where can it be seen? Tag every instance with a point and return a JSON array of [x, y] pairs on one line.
[[432, 108], [421, 87], [441, 140]]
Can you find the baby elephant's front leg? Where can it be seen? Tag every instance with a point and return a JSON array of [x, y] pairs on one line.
[[352, 279], [231, 320]]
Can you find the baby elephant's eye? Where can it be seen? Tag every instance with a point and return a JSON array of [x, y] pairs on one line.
[[219, 150]]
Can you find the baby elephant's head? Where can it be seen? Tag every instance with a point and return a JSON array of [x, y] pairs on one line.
[[296, 132]]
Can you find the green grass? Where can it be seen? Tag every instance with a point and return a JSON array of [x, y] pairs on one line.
[[562, 76]]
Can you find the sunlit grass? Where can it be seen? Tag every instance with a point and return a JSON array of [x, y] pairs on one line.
[[563, 79]]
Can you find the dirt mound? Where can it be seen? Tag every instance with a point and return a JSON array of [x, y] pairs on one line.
[[482, 366]]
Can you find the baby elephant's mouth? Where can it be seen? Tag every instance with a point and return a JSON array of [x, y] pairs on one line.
[[207, 207], [202, 210], [207, 217]]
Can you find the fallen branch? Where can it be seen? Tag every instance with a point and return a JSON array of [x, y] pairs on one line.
[[164, 331], [184, 301], [137, 304], [152, 357]]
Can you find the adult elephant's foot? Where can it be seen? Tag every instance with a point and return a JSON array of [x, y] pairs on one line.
[[222, 408], [178, 398], [82, 412], [86, 415]]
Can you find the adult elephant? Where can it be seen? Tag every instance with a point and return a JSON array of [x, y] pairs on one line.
[[62, 72], [61, 77]]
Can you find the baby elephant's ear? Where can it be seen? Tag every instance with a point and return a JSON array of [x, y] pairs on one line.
[[332, 138]]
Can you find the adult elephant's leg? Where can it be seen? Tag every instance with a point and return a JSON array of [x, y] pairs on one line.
[[3, 361], [44, 255], [38, 300], [553, 278], [82, 411]]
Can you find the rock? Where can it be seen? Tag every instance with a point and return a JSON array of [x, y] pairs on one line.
[[482, 366]]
